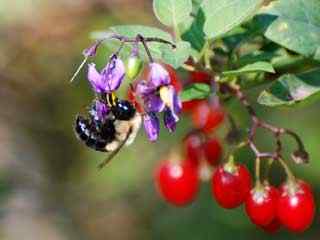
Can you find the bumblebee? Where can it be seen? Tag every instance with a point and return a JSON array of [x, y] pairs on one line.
[[111, 133]]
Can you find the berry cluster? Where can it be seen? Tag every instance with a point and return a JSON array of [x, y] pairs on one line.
[[178, 180], [290, 205], [112, 123]]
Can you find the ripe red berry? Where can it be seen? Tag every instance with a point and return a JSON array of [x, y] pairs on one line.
[[178, 183], [189, 106], [272, 227], [296, 206], [200, 77], [212, 151], [207, 117], [231, 185], [261, 205], [193, 148], [132, 98], [174, 78]]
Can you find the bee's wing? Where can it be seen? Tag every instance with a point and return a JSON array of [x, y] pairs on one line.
[[115, 152]]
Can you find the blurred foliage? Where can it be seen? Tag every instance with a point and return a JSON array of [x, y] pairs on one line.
[[50, 187]]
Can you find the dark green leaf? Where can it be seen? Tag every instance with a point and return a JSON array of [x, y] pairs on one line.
[[224, 15], [290, 89], [296, 26], [257, 56], [194, 32], [195, 91], [172, 12], [251, 68]]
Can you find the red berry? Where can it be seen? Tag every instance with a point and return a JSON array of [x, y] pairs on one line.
[[174, 78], [212, 151], [207, 117], [272, 227], [296, 206], [231, 185], [261, 205], [200, 77], [178, 183], [189, 106], [132, 98], [193, 147]]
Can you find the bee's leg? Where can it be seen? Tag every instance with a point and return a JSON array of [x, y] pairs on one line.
[[115, 152]]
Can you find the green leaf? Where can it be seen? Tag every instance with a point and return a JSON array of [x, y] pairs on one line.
[[195, 91], [257, 56], [291, 89], [224, 15], [251, 68], [193, 32], [296, 26], [132, 31], [172, 12], [176, 57]]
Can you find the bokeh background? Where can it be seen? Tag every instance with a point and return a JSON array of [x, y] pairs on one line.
[[49, 184]]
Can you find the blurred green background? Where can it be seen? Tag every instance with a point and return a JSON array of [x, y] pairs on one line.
[[49, 184]]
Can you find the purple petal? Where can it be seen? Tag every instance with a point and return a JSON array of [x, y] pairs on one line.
[[171, 99], [95, 78], [91, 50], [151, 126], [158, 75], [113, 74], [169, 120], [143, 88], [101, 109], [177, 104], [153, 103]]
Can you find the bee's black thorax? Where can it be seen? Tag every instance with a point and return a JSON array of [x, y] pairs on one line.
[[123, 110]]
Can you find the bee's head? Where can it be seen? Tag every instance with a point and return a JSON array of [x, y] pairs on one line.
[[123, 110]]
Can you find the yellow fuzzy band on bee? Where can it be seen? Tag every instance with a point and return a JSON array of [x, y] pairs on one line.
[[111, 99]]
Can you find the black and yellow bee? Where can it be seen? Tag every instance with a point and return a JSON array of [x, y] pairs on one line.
[[111, 133]]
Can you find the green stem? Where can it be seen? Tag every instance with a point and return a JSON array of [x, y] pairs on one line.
[[291, 178], [257, 172], [230, 165], [267, 169]]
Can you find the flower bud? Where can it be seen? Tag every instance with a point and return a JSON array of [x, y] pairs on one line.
[[134, 66]]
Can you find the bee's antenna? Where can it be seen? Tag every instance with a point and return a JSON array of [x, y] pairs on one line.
[[115, 152]]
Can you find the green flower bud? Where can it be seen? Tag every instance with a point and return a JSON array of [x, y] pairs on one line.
[[134, 66]]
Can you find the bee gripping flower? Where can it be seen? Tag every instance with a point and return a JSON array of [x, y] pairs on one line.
[[110, 78]]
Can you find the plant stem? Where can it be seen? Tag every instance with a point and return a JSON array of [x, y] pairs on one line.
[[257, 171], [290, 176]]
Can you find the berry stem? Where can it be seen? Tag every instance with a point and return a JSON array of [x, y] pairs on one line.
[[256, 123], [144, 43], [257, 172], [290, 176]]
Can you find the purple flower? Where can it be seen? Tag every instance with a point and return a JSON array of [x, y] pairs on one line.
[[110, 77], [159, 95], [158, 75], [151, 126], [169, 120], [99, 110]]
